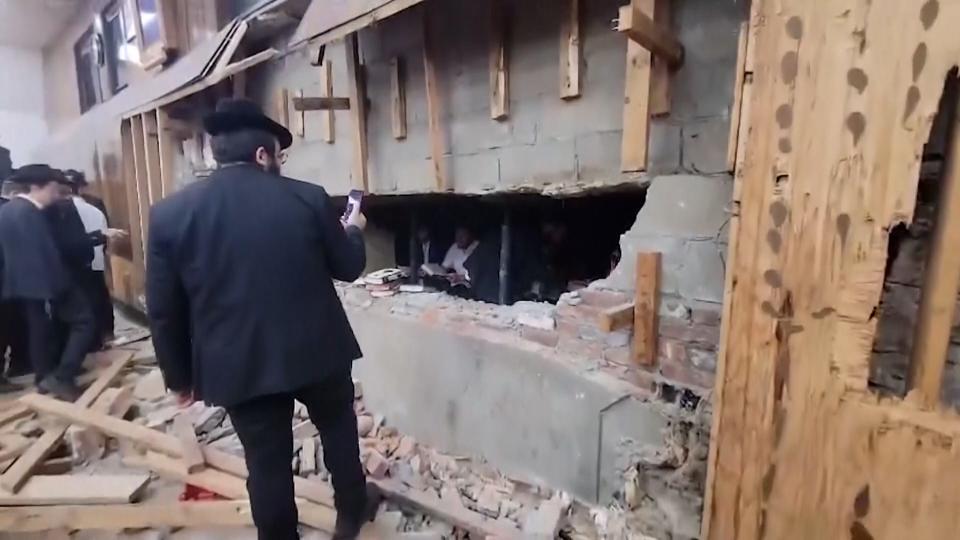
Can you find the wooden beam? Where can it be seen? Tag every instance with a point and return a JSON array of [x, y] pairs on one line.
[[151, 141], [12, 446], [117, 517], [142, 182], [646, 305], [328, 123], [14, 478], [636, 103], [641, 28], [358, 111], [499, 65], [282, 107], [570, 51], [192, 456], [321, 104], [169, 150], [16, 412], [300, 126], [738, 103], [398, 98], [617, 317], [129, 171], [660, 70], [434, 115], [76, 489], [941, 283]]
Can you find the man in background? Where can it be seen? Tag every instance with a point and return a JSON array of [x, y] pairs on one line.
[[463, 246], [12, 328]]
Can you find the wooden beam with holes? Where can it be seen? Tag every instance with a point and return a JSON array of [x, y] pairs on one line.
[[570, 51], [398, 98], [321, 104], [434, 114], [640, 27], [646, 303], [358, 111], [636, 102], [499, 65]]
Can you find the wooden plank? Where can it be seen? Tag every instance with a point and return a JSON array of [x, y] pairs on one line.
[[76, 489], [321, 104], [660, 71], [358, 112], [636, 103], [646, 304], [499, 64], [117, 517], [398, 98], [140, 177], [14, 477], [941, 283], [328, 129], [12, 446], [570, 51], [191, 455], [640, 27], [169, 150], [326, 22], [308, 456], [735, 108], [300, 126], [151, 141], [281, 107], [434, 114], [14, 413], [617, 317], [133, 205]]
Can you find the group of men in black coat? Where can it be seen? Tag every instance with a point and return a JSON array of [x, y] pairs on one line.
[[46, 252], [244, 313]]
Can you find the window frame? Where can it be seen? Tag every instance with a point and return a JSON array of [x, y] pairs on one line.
[[158, 53], [79, 50], [126, 12]]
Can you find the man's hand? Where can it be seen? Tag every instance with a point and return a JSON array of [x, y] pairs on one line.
[[184, 399], [356, 219], [114, 234]]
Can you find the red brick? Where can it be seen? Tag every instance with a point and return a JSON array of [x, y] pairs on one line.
[[685, 374], [548, 338], [581, 348], [579, 313], [604, 298], [691, 333], [622, 356], [376, 465], [708, 316]]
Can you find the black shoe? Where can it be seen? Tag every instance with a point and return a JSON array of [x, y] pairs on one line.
[[62, 390], [348, 527]]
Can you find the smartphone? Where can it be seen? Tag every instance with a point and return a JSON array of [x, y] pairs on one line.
[[353, 202]]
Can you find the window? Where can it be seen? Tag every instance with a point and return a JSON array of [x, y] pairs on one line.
[[155, 21], [88, 56], [122, 49]]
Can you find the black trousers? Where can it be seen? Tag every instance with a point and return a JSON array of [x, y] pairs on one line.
[[264, 427], [95, 287], [49, 357], [13, 337]]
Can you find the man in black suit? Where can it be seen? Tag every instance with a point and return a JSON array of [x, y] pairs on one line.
[[12, 328], [244, 313], [35, 274]]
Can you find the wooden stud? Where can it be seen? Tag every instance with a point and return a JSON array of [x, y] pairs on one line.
[[328, 124], [660, 70], [282, 107], [570, 51], [169, 150], [617, 317], [646, 305], [140, 177], [499, 65], [14, 478], [131, 190], [358, 111], [300, 126], [941, 283], [636, 104], [735, 108], [640, 27], [321, 104], [117, 517], [151, 141], [238, 82], [76, 489], [434, 125], [13, 413], [192, 456], [398, 98]]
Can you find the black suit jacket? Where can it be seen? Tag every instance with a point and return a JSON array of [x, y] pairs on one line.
[[240, 294], [74, 242], [32, 265]]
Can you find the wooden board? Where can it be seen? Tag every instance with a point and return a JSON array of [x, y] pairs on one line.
[[300, 126], [281, 107], [499, 66], [14, 477], [327, 122], [321, 104], [14, 413], [739, 76], [661, 73], [640, 26], [116, 517], [151, 143], [398, 98], [308, 456], [191, 454], [358, 112], [133, 204], [170, 150], [803, 448], [570, 51], [334, 19], [76, 489], [434, 114], [646, 306], [617, 317], [636, 103], [140, 179]]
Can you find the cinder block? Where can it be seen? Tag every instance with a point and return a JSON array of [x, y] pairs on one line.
[[705, 145], [549, 162]]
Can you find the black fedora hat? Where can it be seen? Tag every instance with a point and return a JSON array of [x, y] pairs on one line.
[[37, 174], [237, 114]]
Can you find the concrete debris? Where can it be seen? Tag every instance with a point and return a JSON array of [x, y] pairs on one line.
[[376, 465], [364, 425], [488, 502], [209, 419], [150, 387]]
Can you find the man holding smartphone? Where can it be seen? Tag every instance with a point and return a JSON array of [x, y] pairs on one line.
[[244, 313]]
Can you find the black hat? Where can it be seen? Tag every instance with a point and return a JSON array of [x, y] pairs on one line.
[[76, 177], [38, 175], [237, 114]]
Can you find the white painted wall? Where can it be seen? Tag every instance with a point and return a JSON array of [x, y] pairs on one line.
[[22, 122]]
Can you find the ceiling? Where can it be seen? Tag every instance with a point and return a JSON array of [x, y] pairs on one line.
[[34, 23]]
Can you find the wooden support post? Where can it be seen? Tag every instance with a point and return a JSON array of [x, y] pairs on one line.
[[169, 149], [129, 168], [140, 177], [14, 478], [151, 141], [282, 107], [398, 98], [433, 106], [660, 70], [737, 105], [645, 312], [640, 27], [321, 104], [941, 283], [300, 127], [499, 65], [328, 124], [358, 110], [570, 51], [636, 103]]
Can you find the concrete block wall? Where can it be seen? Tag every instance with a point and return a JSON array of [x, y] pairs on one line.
[[546, 144]]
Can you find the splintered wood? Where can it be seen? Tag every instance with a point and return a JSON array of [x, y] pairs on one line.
[[841, 103]]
